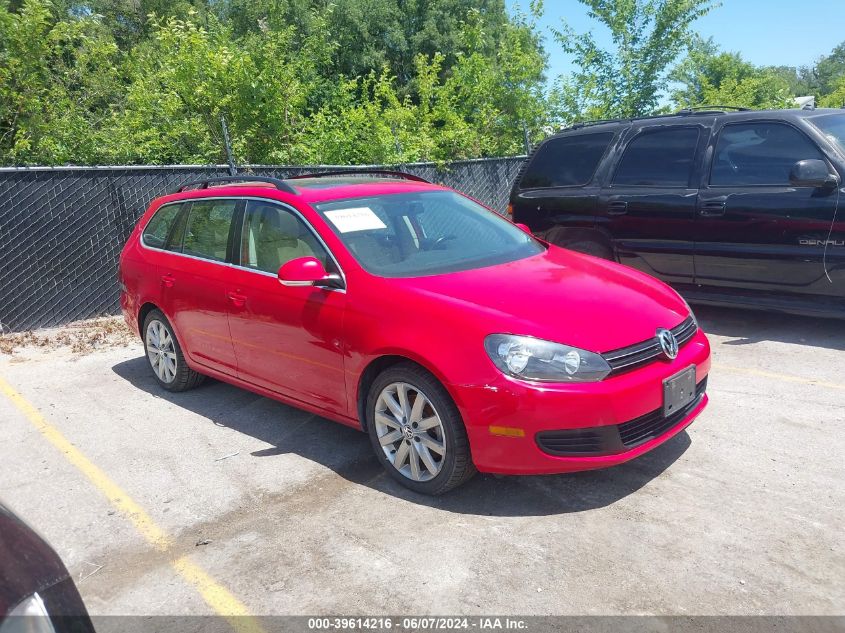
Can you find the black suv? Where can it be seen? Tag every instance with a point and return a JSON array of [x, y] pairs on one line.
[[729, 207]]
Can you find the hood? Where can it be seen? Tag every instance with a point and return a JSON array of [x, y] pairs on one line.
[[561, 296]]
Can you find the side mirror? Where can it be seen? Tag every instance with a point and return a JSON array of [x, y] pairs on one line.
[[524, 228], [307, 271], [812, 173]]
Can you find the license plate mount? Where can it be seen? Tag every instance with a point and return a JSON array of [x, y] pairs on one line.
[[678, 391]]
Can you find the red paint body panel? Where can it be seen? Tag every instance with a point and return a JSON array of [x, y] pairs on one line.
[[288, 339], [309, 347]]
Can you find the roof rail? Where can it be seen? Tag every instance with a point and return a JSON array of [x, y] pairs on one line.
[[281, 185], [356, 172], [716, 109], [581, 124], [683, 112]]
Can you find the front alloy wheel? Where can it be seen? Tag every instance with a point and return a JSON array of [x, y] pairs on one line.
[[417, 431], [410, 431]]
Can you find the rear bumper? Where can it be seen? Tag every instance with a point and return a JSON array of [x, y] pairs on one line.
[[129, 308], [598, 409]]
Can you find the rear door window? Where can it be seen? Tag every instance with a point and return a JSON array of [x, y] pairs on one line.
[[568, 161], [761, 153], [659, 158], [208, 228]]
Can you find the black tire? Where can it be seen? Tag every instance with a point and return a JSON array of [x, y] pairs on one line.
[[184, 378], [456, 466], [591, 247]]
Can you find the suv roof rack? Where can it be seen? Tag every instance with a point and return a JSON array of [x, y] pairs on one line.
[[362, 172], [714, 109], [581, 124], [683, 112], [281, 185]]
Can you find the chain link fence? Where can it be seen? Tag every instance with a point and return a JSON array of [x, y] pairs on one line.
[[62, 229]]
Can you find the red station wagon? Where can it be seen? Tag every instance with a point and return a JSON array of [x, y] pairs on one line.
[[451, 336]]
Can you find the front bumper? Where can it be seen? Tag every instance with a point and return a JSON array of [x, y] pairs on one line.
[[598, 409]]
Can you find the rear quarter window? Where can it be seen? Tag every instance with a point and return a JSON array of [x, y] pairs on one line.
[[160, 226], [567, 161]]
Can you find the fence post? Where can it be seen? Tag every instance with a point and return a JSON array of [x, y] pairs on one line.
[[525, 140], [233, 171]]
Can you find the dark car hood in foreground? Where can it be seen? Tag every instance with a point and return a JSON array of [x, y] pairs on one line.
[[564, 297], [27, 563]]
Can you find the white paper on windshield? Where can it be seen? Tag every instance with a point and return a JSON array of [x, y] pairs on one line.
[[356, 219]]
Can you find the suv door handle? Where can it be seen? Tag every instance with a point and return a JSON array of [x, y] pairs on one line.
[[712, 209], [238, 300], [168, 280], [617, 207]]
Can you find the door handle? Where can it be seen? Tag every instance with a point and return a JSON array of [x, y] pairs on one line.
[[712, 209], [617, 207], [168, 280], [238, 300]]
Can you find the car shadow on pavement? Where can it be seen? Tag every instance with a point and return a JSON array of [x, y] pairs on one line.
[[347, 452], [747, 327]]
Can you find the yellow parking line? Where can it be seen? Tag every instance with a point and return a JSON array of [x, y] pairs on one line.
[[216, 596], [784, 377]]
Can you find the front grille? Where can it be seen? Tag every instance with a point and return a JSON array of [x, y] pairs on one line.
[[651, 425], [615, 438], [628, 358]]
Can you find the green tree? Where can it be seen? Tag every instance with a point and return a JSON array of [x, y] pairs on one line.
[[628, 78], [799, 79], [132, 21], [58, 80], [829, 71], [836, 98], [481, 108], [186, 76], [107, 82], [710, 77], [374, 34]]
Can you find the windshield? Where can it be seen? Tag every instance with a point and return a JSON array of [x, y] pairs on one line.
[[425, 233], [833, 127]]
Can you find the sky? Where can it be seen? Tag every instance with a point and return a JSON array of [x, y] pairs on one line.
[[765, 32]]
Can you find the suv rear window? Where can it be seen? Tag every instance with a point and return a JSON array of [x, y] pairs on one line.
[[566, 161], [662, 158]]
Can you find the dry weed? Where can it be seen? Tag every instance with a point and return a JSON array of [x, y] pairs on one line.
[[82, 337]]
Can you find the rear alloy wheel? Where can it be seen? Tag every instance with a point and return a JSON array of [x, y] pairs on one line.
[[165, 356], [417, 431]]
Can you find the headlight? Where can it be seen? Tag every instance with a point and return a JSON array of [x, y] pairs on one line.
[[536, 359], [30, 616]]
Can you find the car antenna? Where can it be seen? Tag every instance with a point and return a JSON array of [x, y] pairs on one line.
[[233, 170]]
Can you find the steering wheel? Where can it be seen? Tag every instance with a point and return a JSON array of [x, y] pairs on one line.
[[438, 243]]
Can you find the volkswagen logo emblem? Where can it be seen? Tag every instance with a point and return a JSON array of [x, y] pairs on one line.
[[668, 343]]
